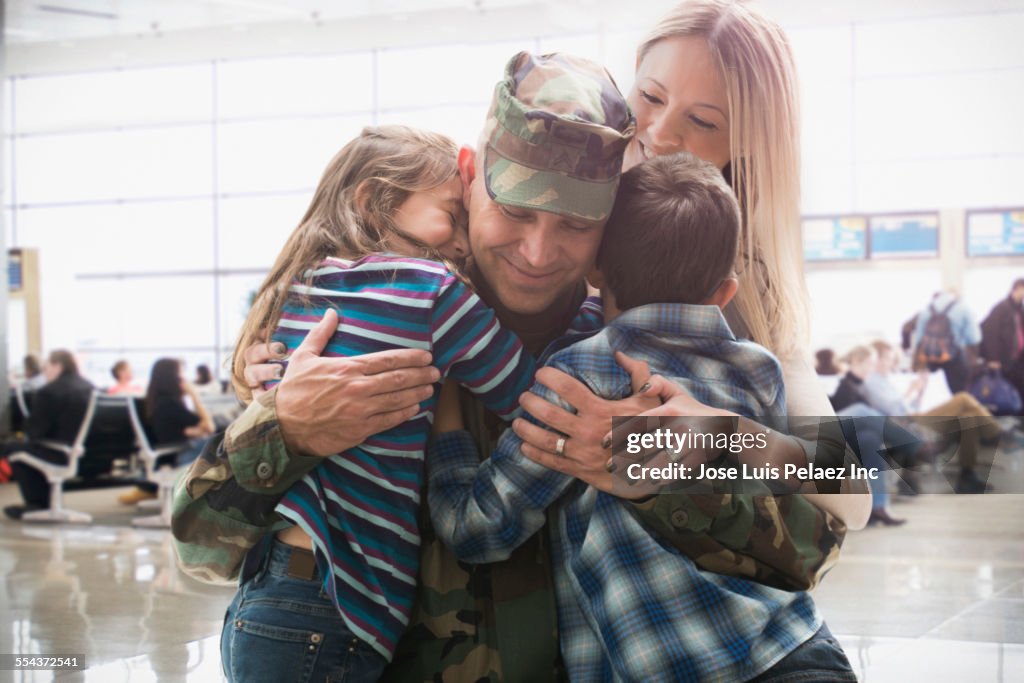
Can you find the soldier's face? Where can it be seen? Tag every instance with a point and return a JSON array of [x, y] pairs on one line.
[[530, 259]]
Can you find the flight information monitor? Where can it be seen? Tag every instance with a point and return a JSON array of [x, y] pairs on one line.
[[905, 235], [995, 233], [835, 238]]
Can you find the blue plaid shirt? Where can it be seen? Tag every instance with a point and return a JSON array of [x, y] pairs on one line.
[[630, 607]]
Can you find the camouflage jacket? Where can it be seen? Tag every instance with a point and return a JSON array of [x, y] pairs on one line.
[[466, 616]]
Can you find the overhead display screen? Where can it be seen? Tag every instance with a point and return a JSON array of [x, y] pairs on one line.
[[995, 233], [837, 238], [905, 235]]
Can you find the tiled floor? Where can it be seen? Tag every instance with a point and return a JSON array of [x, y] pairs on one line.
[[939, 599]]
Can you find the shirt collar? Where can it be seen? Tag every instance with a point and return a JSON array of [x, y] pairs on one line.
[[691, 320]]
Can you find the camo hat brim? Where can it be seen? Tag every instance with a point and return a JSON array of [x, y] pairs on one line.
[[556, 133]]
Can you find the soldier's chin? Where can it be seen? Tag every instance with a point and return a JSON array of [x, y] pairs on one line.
[[527, 301]]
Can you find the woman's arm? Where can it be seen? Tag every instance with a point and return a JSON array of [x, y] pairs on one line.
[[205, 426]]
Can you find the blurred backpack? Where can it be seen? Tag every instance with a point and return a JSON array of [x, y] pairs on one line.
[[937, 345], [996, 393]]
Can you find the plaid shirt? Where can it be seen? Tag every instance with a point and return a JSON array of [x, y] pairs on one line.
[[630, 607]]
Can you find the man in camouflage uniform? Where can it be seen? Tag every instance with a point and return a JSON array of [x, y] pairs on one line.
[[538, 192]]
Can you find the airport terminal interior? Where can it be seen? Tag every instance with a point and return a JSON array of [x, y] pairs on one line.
[[157, 154]]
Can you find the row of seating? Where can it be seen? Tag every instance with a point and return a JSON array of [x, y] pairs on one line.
[[103, 429]]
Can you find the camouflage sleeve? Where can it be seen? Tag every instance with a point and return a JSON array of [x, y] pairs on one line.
[[224, 503], [781, 541]]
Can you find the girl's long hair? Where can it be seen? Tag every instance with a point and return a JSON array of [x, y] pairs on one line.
[[350, 216], [757, 67], [164, 383]]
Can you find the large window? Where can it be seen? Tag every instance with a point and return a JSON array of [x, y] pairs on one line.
[[159, 197]]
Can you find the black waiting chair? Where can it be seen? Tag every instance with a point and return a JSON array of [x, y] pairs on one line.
[[111, 438]]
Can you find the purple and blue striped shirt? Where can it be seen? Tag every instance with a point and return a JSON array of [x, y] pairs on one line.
[[361, 507]]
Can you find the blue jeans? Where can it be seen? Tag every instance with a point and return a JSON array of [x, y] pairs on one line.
[[281, 628], [865, 433], [819, 660]]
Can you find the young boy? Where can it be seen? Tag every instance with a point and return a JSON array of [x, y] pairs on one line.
[[631, 607]]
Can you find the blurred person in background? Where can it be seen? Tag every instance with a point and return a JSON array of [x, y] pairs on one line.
[[866, 426], [860, 362], [1002, 336], [171, 421], [34, 378], [57, 413], [825, 363], [124, 379], [204, 381], [980, 428], [946, 336]]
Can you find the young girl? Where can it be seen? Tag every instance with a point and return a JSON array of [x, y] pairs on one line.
[[388, 208]]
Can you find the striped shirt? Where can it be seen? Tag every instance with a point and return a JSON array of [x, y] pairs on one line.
[[361, 507], [630, 606]]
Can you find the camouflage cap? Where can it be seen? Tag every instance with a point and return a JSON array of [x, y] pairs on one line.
[[555, 136]]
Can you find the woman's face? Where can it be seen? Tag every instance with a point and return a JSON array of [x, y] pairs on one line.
[[680, 103]]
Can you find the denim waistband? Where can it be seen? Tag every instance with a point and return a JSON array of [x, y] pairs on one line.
[[288, 560]]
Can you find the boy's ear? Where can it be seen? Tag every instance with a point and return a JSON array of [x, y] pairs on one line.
[[724, 293], [467, 171], [595, 278]]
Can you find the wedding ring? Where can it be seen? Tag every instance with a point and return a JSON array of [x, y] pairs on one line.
[[560, 446]]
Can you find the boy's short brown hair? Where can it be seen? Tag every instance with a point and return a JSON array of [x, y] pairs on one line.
[[672, 235]]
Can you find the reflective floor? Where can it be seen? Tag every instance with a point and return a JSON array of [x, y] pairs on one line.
[[939, 599]]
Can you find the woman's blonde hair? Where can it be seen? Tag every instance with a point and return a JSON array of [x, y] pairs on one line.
[[350, 216], [757, 67]]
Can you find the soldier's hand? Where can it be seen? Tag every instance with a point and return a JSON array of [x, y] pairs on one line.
[[328, 405]]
